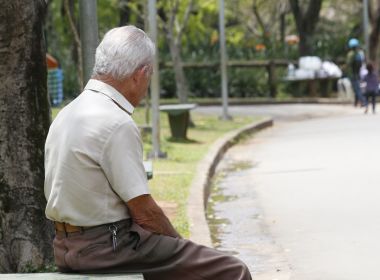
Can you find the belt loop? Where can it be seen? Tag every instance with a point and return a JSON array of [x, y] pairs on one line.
[[64, 228]]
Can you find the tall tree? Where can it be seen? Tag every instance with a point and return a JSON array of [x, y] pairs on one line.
[[306, 20], [25, 234], [174, 28], [132, 12], [374, 14], [68, 7]]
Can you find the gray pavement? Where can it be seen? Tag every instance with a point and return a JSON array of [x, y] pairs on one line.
[[300, 201], [282, 112]]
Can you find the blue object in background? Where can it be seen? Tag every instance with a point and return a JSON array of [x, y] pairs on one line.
[[55, 86]]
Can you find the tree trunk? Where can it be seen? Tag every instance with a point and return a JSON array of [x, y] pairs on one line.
[[179, 73], [282, 28], [374, 37], [25, 233], [306, 23], [124, 12], [304, 44], [174, 36], [69, 10]]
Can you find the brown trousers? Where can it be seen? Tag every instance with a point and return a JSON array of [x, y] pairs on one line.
[[157, 257]]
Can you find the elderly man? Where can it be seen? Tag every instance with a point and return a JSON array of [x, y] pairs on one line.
[[96, 188]]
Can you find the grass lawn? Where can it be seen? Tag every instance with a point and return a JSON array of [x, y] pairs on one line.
[[172, 176]]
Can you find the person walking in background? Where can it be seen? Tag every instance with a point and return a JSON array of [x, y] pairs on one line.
[[354, 62], [372, 87], [54, 81]]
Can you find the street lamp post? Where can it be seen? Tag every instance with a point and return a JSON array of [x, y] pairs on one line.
[[223, 62], [155, 84], [88, 35]]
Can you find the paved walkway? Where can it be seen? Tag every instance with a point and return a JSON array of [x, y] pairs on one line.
[[285, 112], [300, 201]]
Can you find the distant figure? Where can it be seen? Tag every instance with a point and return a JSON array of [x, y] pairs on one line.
[[54, 81], [354, 62], [55, 86], [372, 87]]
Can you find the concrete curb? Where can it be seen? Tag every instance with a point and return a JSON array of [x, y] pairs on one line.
[[199, 191], [264, 101], [200, 187], [69, 276]]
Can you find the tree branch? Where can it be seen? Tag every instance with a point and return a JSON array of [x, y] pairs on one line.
[[371, 13], [259, 18], [189, 8], [162, 15], [294, 4], [77, 42], [173, 14]]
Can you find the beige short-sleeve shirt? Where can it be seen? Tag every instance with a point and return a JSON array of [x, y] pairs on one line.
[[93, 159]]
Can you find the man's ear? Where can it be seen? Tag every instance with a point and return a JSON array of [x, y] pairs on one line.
[[145, 70], [139, 74]]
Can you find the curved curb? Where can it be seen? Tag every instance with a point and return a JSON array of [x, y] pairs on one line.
[[200, 187]]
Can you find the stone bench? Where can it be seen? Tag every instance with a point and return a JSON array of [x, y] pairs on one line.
[[64, 276], [178, 118], [315, 87]]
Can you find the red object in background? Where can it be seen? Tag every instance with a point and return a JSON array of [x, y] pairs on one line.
[[292, 39], [260, 47], [51, 62]]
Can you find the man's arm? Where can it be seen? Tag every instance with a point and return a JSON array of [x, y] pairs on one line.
[[146, 213], [345, 67]]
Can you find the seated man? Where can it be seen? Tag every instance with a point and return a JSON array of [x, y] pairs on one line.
[[96, 188]]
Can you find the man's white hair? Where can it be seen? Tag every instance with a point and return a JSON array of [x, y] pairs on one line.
[[122, 51]]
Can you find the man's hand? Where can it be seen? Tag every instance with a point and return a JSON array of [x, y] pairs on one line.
[[146, 213]]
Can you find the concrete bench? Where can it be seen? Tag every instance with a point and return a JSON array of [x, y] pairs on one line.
[[178, 115], [315, 87], [64, 276]]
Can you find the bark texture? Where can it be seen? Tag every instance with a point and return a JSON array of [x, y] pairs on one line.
[[174, 31], [374, 13], [25, 234], [306, 21]]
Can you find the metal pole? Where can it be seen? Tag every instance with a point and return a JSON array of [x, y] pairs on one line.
[[88, 35], [223, 62], [155, 83], [365, 26]]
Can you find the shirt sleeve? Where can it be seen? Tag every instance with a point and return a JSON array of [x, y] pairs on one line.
[[122, 162]]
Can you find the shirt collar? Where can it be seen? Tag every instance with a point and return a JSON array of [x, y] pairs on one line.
[[111, 92]]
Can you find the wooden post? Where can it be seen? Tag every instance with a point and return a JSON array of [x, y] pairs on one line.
[[272, 83]]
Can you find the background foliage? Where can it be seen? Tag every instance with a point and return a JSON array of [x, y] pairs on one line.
[[245, 33]]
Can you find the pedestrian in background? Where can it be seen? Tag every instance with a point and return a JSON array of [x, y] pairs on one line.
[[372, 87], [54, 81], [354, 61]]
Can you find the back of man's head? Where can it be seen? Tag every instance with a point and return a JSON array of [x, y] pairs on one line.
[[122, 51]]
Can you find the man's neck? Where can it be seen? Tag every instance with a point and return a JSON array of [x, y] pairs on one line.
[[121, 86]]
